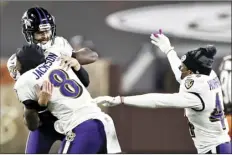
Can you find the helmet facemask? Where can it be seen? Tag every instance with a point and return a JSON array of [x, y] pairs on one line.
[[44, 37]]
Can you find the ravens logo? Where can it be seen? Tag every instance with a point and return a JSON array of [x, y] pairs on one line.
[[189, 83]]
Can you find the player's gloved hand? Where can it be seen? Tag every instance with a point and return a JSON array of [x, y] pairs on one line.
[[68, 62], [161, 41], [44, 94], [107, 101]]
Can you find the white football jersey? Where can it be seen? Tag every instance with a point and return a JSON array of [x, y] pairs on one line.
[[69, 94], [208, 126], [207, 123], [59, 42], [71, 103]]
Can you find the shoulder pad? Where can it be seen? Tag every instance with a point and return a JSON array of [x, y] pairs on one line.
[[23, 80], [61, 41], [193, 83], [188, 83]]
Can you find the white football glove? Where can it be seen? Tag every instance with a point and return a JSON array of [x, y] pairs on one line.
[[107, 101], [11, 66], [161, 41]]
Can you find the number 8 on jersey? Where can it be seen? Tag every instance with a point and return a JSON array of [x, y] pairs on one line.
[[68, 87]]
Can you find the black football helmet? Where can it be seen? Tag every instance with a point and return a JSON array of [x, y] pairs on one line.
[[37, 19]]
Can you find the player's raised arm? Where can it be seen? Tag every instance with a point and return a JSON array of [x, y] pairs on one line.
[[153, 100], [161, 41]]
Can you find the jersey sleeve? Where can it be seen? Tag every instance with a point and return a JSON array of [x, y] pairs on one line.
[[23, 90], [11, 66], [194, 84], [191, 83], [175, 63], [26, 93], [157, 100]]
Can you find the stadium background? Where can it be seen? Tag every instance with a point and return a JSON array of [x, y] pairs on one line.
[[139, 130]]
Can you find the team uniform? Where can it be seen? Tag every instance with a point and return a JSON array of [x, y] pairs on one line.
[[207, 123], [225, 78], [38, 26], [72, 104], [199, 94], [42, 139], [201, 97]]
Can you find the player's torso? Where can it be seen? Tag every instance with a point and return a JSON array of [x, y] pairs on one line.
[[208, 126], [69, 94], [70, 101]]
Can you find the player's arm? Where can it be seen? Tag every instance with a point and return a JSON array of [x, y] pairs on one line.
[[161, 41], [32, 103], [81, 73], [32, 107], [175, 63], [155, 100], [31, 115], [85, 56]]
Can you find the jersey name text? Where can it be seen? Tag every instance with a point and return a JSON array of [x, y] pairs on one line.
[[41, 69], [214, 83]]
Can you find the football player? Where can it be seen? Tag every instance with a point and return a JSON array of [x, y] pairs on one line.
[[86, 128], [199, 94], [225, 77], [38, 27]]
